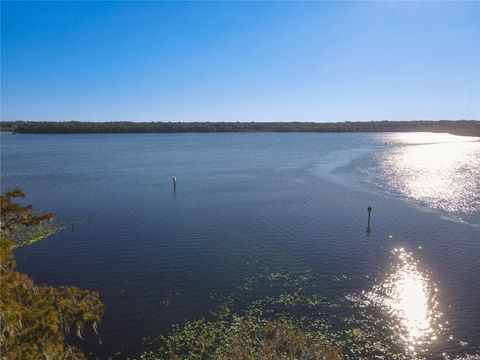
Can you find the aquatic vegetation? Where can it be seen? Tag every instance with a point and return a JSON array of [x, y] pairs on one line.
[[166, 301], [245, 337], [25, 235], [278, 315], [258, 329], [262, 328], [19, 224]]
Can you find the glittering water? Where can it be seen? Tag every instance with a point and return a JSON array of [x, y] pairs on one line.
[[409, 297], [438, 171], [292, 202]]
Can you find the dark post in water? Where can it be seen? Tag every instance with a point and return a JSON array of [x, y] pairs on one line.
[[174, 183], [369, 211]]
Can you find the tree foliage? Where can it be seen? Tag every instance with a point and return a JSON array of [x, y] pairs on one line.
[[460, 127], [35, 320]]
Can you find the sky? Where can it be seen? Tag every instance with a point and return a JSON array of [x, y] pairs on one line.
[[240, 61]]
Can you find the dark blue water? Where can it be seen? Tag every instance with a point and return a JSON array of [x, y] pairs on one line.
[[289, 201]]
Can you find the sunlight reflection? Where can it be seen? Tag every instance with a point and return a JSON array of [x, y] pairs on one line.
[[409, 297], [440, 170]]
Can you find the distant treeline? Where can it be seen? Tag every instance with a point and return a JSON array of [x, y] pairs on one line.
[[460, 127]]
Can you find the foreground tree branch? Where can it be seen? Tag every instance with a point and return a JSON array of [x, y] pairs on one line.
[[35, 320]]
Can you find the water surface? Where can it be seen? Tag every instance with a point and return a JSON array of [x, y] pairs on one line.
[[291, 202]]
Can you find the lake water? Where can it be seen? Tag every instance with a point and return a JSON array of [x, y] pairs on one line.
[[291, 202]]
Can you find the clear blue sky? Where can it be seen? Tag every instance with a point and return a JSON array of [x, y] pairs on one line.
[[245, 61]]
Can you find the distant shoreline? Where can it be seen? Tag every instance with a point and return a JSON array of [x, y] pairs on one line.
[[455, 127]]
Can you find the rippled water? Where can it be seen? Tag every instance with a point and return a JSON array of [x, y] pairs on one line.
[[439, 171], [409, 297], [291, 202]]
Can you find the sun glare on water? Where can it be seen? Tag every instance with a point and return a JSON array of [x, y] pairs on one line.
[[409, 298], [439, 170]]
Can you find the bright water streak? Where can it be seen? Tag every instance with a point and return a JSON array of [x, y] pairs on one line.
[[409, 297], [439, 171]]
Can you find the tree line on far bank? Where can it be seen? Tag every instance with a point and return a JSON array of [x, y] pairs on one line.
[[458, 127]]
